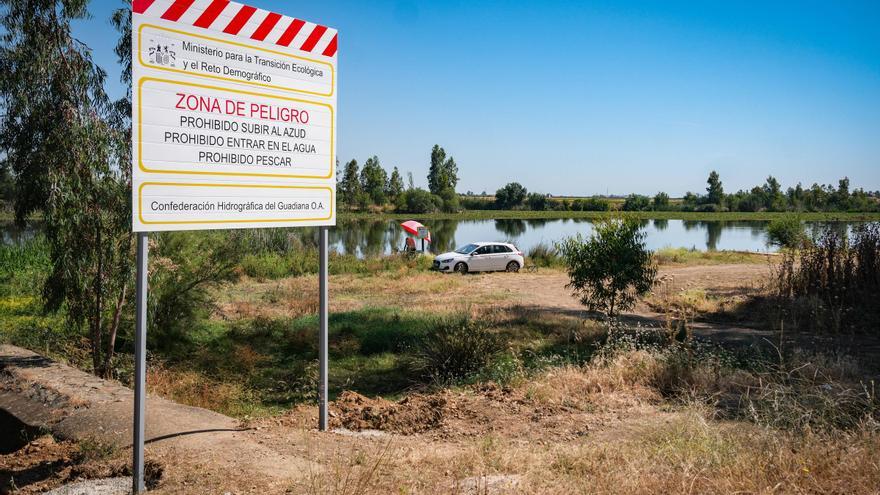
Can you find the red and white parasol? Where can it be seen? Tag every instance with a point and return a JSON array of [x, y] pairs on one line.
[[411, 227]]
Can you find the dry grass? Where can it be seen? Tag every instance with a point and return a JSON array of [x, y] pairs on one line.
[[688, 302], [626, 379], [656, 444], [681, 452], [683, 256], [298, 296], [689, 453], [195, 389]]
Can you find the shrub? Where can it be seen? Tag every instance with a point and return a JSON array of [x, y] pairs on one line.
[[184, 266], [799, 392], [709, 208], [832, 284], [537, 201], [510, 196], [455, 347], [636, 202], [660, 202], [450, 202], [418, 201], [611, 268], [787, 231], [544, 255], [594, 204], [265, 266]]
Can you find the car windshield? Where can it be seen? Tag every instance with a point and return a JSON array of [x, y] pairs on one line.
[[466, 249]]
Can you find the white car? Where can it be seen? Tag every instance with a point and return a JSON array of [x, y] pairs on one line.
[[481, 257]]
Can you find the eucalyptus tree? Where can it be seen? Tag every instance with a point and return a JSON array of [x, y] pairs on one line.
[[68, 149], [395, 185]]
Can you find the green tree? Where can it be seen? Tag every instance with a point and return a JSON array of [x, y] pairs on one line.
[[636, 202], [443, 173], [418, 200], [395, 185], [715, 191], [612, 268], [7, 188], [660, 202], [774, 200], [841, 195], [510, 196], [787, 231], [68, 148], [449, 199], [350, 185], [596, 203], [690, 200], [537, 201], [374, 181]]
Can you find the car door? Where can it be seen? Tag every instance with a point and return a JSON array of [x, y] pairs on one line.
[[481, 259], [500, 256]]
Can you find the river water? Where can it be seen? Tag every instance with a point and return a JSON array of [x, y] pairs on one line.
[[368, 238], [374, 238]]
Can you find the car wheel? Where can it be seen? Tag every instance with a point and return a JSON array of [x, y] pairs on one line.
[[513, 267], [461, 268]]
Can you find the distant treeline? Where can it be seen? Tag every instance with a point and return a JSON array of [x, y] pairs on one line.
[[371, 188], [767, 197]]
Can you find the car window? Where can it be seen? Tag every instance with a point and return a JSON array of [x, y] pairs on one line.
[[466, 249], [483, 250], [501, 249]]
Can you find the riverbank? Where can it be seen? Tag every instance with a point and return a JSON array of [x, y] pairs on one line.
[[563, 406]]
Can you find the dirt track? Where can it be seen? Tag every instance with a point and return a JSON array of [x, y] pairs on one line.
[[546, 289], [78, 406]]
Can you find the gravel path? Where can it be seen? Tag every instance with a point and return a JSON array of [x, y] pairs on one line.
[[108, 486]]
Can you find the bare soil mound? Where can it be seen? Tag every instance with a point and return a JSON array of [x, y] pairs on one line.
[[479, 410], [413, 414]]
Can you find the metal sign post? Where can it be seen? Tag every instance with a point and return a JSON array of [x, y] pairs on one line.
[[140, 366], [423, 233], [323, 318]]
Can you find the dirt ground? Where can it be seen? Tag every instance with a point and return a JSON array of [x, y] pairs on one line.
[[539, 437], [544, 289]]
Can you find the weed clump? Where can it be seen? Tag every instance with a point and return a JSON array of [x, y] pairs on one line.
[[455, 347], [833, 284], [797, 392], [544, 255]]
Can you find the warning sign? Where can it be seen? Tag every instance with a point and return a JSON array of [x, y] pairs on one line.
[[234, 117]]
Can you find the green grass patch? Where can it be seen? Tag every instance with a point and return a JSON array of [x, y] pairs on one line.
[[23, 322], [684, 256], [274, 265], [272, 363], [261, 366]]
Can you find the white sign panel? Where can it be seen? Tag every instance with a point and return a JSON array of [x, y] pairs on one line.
[[233, 115]]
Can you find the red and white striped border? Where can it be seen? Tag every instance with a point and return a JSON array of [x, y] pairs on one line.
[[238, 19]]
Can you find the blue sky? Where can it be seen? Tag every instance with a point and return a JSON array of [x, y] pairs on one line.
[[588, 98]]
